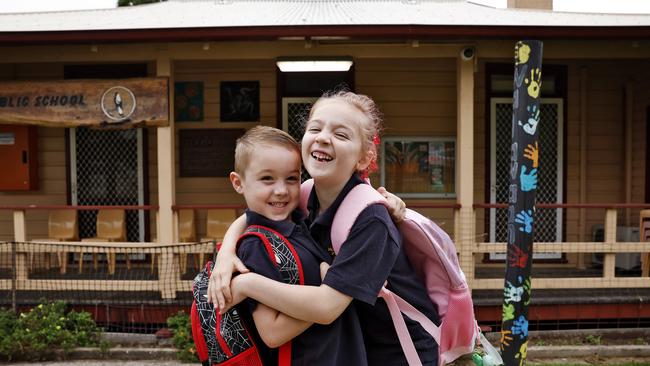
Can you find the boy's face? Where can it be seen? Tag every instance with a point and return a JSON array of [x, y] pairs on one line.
[[271, 181]]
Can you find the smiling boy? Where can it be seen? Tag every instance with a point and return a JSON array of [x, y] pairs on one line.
[[267, 174]]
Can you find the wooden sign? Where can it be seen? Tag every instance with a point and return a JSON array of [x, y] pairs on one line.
[[207, 152], [71, 103]]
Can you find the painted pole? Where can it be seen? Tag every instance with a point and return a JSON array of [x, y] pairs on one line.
[[524, 164]]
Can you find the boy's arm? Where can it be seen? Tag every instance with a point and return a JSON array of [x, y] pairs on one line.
[[318, 304], [276, 328], [226, 263]]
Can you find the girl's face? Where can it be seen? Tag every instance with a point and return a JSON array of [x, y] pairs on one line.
[[332, 147]]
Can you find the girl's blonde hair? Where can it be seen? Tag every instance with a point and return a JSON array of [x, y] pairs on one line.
[[370, 130]]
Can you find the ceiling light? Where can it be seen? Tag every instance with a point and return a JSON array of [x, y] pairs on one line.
[[314, 65]]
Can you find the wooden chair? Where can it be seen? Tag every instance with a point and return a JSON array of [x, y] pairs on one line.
[[217, 223], [62, 225], [644, 235], [111, 227], [186, 234]]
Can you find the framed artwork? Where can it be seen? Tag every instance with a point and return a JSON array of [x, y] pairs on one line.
[[188, 101], [419, 167], [240, 101]]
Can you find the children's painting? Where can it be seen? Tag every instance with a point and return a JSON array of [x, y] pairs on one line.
[[188, 101], [240, 101], [419, 167]]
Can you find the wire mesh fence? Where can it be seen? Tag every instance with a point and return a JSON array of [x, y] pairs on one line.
[[136, 286], [126, 286]]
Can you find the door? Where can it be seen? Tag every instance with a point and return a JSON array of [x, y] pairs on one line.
[[548, 222], [106, 168]]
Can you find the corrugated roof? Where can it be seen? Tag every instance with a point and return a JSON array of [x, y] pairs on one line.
[[261, 13]]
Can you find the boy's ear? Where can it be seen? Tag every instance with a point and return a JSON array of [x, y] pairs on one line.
[[236, 181], [365, 160]]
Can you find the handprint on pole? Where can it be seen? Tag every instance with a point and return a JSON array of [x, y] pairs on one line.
[[524, 164]]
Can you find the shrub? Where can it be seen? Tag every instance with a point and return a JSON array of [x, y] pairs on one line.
[[46, 327], [182, 328]]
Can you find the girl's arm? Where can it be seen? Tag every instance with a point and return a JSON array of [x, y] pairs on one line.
[[276, 328], [226, 263], [317, 304]]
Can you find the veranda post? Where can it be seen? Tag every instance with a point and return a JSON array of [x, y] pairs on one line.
[[524, 164]]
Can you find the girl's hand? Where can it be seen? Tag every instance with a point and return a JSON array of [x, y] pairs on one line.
[[238, 295], [396, 207], [219, 286], [323, 270]]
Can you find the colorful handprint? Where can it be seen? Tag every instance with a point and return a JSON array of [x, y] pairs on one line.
[[517, 257], [520, 327], [525, 218], [533, 120], [508, 312], [528, 181], [535, 82], [522, 53], [505, 337], [532, 152], [512, 293]]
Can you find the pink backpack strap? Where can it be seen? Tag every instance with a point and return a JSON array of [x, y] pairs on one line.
[[305, 191], [360, 197], [397, 306]]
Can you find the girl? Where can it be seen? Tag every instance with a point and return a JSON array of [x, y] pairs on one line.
[[338, 148]]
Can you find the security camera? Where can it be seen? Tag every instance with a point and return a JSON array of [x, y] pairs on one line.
[[467, 53]]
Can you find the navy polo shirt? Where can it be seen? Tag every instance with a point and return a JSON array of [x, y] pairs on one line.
[[339, 343], [371, 255]]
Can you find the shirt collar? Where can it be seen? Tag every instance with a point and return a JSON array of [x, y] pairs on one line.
[[285, 227], [327, 217]]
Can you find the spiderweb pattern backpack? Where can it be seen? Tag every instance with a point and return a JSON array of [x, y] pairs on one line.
[[433, 256], [224, 339]]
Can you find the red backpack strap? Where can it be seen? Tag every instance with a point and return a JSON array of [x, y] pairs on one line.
[[280, 251], [360, 197], [283, 254]]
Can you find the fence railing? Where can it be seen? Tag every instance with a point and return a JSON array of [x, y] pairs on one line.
[[133, 259]]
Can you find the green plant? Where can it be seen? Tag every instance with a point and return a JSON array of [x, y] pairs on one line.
[[182, 328], [46, 327], [592, 339]]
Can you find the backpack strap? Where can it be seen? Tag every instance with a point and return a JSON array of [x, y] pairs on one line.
[[280, 251], [360, 197], [305, 191], [284, 256]]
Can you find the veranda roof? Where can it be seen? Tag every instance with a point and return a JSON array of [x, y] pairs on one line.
[[176, 19]]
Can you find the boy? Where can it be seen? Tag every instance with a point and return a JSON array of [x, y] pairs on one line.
[[267, 173]]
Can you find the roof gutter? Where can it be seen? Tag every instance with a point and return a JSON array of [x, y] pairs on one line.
[[256, 33]]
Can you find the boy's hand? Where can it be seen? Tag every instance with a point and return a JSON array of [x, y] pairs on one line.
[[219, 286], [396, 207], [237, 294], [323, 270]]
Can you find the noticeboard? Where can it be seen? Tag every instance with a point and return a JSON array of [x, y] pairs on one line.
[[207, 152]]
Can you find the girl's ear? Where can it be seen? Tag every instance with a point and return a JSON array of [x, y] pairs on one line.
[[237, 182], [365, 160]]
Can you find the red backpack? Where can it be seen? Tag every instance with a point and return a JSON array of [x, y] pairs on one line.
[[432, 254], [224, 339]]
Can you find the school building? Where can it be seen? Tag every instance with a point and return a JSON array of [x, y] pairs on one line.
[[117, 126]]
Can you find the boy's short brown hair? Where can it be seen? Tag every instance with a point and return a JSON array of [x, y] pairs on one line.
[[261, 136]]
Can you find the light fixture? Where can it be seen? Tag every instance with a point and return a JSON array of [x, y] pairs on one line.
[[307, 64]]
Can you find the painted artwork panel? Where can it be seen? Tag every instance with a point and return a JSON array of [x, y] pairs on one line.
[[188, 101]]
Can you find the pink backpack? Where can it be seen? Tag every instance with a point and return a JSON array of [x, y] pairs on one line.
[[433, 256]]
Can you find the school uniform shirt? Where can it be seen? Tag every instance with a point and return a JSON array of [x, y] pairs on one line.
[[371, 255], [339, 343]]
